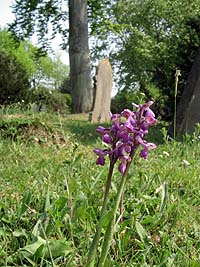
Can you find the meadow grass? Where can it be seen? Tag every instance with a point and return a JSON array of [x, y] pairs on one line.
[[51, 194]]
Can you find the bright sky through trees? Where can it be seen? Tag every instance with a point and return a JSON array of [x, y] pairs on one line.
[[6, 16]]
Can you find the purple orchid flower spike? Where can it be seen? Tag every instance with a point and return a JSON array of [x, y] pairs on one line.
[[126, 134], [122, 139]]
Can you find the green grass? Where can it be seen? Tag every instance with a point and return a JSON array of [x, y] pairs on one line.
[[51, 194]]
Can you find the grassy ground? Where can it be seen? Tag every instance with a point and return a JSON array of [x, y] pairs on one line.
[[51, 193]]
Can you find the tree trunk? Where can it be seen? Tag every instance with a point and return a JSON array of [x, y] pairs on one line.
[[188, 114], [80, 72]]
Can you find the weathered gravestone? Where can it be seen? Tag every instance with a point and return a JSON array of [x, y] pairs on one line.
[[102, 97], [188, 111]]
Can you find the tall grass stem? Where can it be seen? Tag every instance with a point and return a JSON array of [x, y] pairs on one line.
[[177, 74]]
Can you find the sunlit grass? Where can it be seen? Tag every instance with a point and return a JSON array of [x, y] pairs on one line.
[[51, 188]]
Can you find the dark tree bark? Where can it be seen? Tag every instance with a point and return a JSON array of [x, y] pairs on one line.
[[80, 72], [189, 105]]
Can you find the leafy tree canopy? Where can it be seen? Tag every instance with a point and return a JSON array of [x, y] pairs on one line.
[[38, 66], [38, 16], [158, 37], [14, 81]]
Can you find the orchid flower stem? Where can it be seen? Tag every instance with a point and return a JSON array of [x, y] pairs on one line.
[[110, 228], [95, 241], [121, 207]]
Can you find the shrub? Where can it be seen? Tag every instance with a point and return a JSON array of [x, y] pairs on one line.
[[53, 100], [125, 98], [65, 86], [13, 79]]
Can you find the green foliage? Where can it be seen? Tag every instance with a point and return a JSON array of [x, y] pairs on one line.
[[14, 81], [65, 86], [39, 66], [53, 70], [24, 51], [22, 128], [36, 17], [14, 127], [51, 195], [8, 43], [158, 37], [125, 98], [101, 29], [52, 100]]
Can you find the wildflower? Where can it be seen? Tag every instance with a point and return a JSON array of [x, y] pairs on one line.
[[122, 139], [126, 134], [107, 139], [100, 153]]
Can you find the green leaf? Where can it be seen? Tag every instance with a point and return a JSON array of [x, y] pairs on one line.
[[30, 250], [164, 192], [40, 249], [106, 218], [58, 248], [142, 233], [19, 233], [47, 201], [60, 203], [25, 202]]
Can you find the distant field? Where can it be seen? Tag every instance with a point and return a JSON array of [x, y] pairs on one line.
[[51, 194]]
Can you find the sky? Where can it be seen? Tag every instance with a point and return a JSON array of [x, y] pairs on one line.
[[6, 16]]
